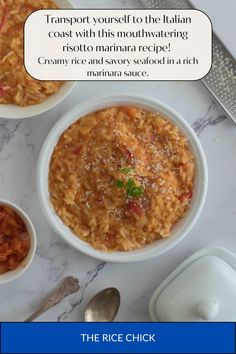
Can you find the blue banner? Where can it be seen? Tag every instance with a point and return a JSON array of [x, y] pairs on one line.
[[117, 338]]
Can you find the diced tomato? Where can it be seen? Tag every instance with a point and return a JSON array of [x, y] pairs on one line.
[[3, 267], [185, 196], [153, 137], [2, 216], [130, 111], [2, 91], [14, 240], [135, 207], [100, 199], [111, 239], [15, 244], [12, 263], [119, 164], [4, 18], [129, 154], [77, 150], [181, 164]]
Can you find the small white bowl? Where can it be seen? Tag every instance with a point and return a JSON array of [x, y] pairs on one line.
[[11, 111], [181, 229], [13, 274]]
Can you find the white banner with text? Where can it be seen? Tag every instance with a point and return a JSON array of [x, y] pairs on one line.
[[118, 45]]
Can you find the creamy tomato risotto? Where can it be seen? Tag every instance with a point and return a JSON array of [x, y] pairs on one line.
[[121, 178], [16, 86]]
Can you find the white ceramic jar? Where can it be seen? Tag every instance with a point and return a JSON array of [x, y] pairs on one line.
[[203, 288]]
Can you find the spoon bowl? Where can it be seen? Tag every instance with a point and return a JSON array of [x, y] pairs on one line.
[[103, 307]]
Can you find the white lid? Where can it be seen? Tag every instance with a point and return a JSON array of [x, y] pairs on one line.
[[203, 288]]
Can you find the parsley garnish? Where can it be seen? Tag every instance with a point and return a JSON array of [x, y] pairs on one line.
[[132, 190], [135, 192], [120, 184], [126, 170], [130, 185]]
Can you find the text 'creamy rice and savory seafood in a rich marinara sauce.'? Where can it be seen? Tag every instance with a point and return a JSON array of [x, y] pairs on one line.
[[16, 86], [121, 178]]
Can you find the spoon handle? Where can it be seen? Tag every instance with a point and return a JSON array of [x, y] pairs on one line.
[[69, 286]]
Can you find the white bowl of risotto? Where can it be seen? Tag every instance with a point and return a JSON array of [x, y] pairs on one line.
[[122, 178], [21, 96]]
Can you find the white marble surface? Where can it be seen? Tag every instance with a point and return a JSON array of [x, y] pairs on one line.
[[20, 142]]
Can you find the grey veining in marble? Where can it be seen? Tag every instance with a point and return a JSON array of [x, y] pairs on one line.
[[212, 117], [20, 143]]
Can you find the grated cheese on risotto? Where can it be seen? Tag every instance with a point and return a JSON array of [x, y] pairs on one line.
[[121, 178]]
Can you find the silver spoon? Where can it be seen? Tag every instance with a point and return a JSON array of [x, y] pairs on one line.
[[103, 307], [69, 286]]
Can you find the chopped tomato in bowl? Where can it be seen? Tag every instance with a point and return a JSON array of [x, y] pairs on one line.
[[17, 241]]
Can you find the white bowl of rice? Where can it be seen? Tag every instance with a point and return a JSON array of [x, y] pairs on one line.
[[21, 96], [122, 178]]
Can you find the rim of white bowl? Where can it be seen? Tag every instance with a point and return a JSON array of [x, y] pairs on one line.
[[25, 264], [11, 111], [160, 246]]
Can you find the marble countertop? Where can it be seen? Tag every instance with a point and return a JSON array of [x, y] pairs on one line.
[[20, 143]]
